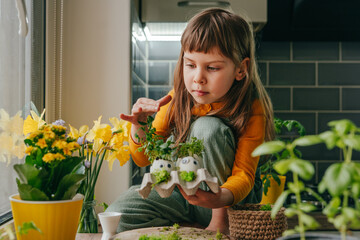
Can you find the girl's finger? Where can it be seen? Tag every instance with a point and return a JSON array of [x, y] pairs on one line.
[[165, 100]]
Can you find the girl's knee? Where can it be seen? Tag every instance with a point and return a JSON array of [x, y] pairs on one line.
[[212, 130]]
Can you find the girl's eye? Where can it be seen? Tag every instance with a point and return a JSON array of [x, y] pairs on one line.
[[213, 68], [190, 65]]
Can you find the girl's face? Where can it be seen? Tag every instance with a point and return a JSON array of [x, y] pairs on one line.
[[209, 76]]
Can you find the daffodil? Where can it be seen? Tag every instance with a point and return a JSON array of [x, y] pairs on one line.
[[122, 155], [33, 122], [74, 133]]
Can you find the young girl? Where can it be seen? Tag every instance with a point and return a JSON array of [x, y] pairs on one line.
[[217, 97]]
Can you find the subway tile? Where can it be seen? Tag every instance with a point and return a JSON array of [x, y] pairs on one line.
[[173, 66], [324, 118], [163, 50], [138, 92], [280, 98], [292, 74], [262, 72], [274, 51], [139, 67], [319, 152], [315, 50], [142, 46], [306, 119], [158, 92], [136, 81], [316, 99], [350, 50], [339, 73], [158, 73], [350, 98]]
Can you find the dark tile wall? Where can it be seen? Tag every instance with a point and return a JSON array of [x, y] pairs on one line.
[[312, 82]]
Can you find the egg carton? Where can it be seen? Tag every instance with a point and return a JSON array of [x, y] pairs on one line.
[[165, 189]]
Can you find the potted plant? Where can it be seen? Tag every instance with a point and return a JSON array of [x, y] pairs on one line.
[[189, 159], [158, 151], [342, 180], [254, 222], [274, 183], [46, 181], [50, 178]]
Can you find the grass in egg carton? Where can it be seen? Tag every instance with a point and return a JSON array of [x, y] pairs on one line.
[[156, 148]]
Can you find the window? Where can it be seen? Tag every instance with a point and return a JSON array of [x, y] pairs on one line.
[[21, 75]]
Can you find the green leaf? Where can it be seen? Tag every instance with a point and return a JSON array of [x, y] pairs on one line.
[[352, 141], [339, 221], [279, 203], [187, 176], [268, 148], [309, 221], [307, 140], [332, 207], [342, 126], [30, 193], [329, 138], [306, 207], [289, 232], [276, 178], [337, 178], [303, 168], [282, 166], [29, 174], [68, 186], [65, 167], [355, 189], [290, 212], [26, 227], [350, 213]]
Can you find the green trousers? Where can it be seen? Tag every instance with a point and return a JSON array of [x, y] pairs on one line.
[[218, 159]]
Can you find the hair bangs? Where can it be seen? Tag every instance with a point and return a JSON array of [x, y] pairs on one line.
[[205, 34]]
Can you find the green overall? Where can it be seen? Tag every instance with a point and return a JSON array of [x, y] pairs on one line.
[[218, 158]]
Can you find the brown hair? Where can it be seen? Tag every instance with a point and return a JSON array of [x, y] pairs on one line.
[[233, 36]]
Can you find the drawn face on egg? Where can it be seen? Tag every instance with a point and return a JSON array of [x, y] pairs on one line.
[[188, 164], [160, 164]]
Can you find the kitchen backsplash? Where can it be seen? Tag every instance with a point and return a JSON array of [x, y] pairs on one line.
[[312, 82]]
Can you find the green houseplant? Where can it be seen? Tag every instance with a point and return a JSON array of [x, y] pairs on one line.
[[158, 151], [341, 180], [269, 176]]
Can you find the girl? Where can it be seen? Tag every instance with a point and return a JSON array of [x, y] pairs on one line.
[[217, 97]]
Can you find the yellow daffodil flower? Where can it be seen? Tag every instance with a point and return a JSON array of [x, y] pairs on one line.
[[74, 133], [33, 122], [122, 154]]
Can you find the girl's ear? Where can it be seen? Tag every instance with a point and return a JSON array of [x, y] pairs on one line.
[[242, 71]]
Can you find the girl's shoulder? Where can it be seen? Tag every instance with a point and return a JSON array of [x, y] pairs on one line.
[[257, 107]]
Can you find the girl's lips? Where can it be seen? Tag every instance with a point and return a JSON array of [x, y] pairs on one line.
[[200, 93]]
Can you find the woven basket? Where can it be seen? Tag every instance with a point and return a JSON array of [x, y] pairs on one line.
[[249, 222]]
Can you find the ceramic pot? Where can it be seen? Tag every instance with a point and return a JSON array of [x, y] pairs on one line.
[[274, 191], [58, 220], [316, 236]]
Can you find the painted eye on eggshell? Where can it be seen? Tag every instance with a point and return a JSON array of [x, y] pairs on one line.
[[185, 161], [196, 162], [169, 165], [161, 166]]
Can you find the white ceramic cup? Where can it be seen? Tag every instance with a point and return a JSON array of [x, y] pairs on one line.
[[109, 223]]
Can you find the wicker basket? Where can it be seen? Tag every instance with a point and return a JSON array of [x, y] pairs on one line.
[[249, 222]]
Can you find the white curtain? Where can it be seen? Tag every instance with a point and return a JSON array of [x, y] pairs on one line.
[[12, 85]]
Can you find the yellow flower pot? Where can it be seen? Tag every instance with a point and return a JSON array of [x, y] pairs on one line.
[[274, 191], [58, 220]]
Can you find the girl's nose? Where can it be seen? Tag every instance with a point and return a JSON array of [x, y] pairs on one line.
[[199, 78]]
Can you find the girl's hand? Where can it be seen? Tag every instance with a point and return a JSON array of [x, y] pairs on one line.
[[143, 108], [209, 199]]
